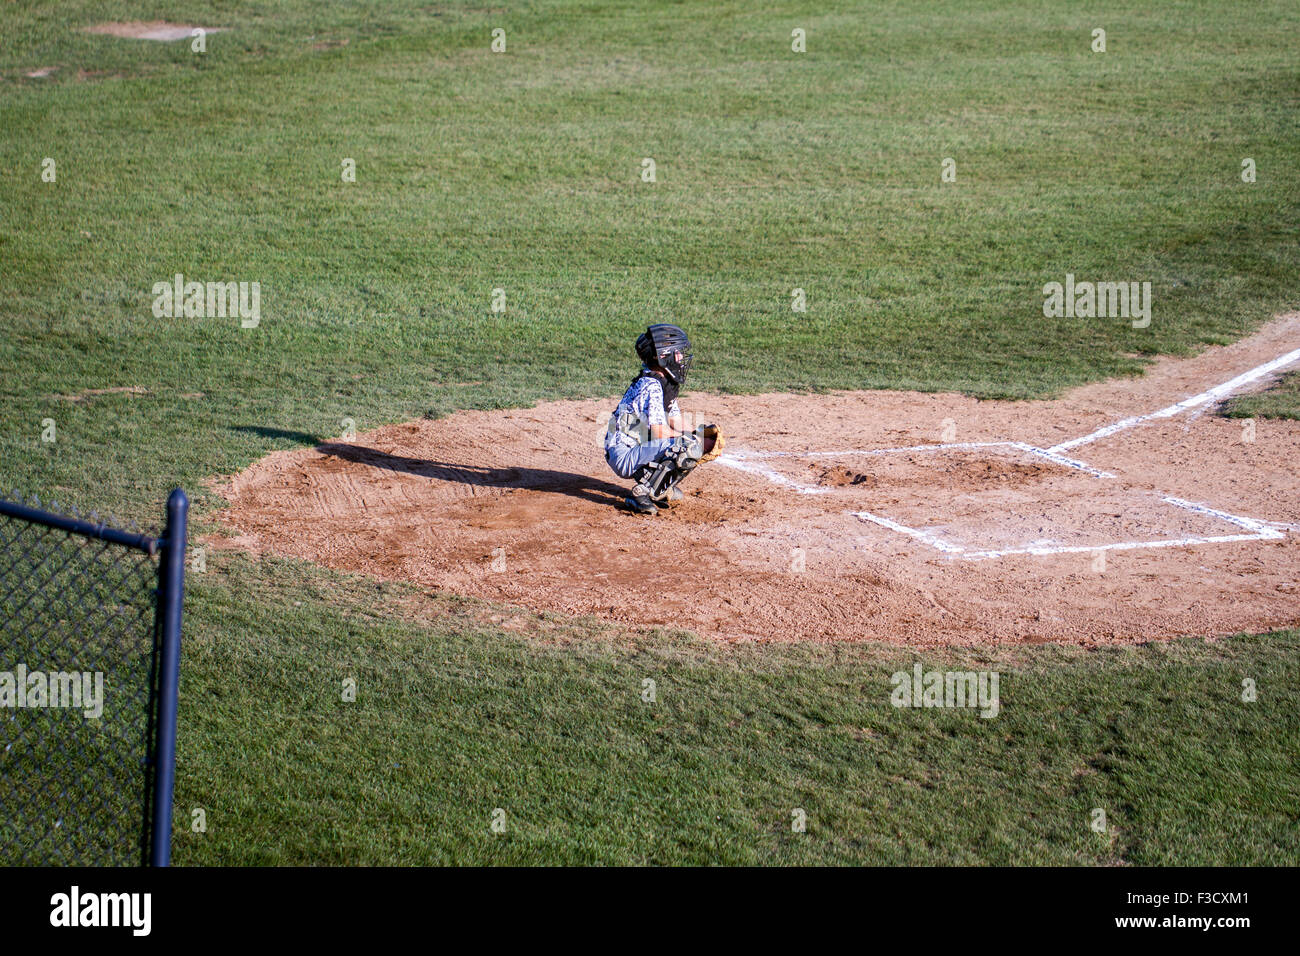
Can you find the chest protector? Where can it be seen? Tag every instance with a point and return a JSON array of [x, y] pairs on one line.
[[629, 423]]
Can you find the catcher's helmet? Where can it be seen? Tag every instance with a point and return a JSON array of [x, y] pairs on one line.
[[668, 348]]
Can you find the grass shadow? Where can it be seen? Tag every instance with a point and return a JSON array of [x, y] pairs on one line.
[[302, 438]]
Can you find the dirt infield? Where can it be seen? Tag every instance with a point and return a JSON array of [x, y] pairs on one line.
[[911, 518]]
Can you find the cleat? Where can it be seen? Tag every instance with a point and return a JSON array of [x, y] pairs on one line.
[[669, 498], [639, 501], [642, 506]]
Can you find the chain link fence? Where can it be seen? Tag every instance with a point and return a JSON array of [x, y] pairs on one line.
[[87, 687]]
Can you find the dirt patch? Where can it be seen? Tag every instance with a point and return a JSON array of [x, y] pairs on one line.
[[866, 528], [949, 472], [88, 394], [839, 476], [159, 30]]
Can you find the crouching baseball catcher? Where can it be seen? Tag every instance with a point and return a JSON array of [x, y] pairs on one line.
[[645, 441]]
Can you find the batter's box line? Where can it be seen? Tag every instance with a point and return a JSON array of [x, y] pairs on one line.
[[1201, 400], [1258, 531], [1059, 459], [748, 460], [742, 463], [931, 446], [1192, 402]]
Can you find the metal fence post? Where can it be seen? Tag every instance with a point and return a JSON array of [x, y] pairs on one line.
[[171, 575]]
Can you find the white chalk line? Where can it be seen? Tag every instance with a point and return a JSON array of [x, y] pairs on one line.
[[1060, 459], [743, 460], [748, 461], [1259, 530], [753, 468], [928, 537], [1209, 395], [1112, 546], [935, 446]]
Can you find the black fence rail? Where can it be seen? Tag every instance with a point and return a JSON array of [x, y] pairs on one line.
[[90, 627]]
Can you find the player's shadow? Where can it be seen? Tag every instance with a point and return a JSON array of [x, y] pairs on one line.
[[534, 479]]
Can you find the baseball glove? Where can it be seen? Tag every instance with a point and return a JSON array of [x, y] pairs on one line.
[[711, 439]]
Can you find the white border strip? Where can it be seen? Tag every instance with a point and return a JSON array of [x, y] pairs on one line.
[[1209, 395], [1259, 531], [927, 537], [1061, 459], [753, 468], [866, 451], [1116, 546], [748, 461], [1261, 528]]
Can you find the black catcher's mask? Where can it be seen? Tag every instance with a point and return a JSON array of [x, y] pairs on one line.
[[666, 347]]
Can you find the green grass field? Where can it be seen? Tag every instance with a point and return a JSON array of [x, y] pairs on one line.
[[1282, 400], [522, 171]]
